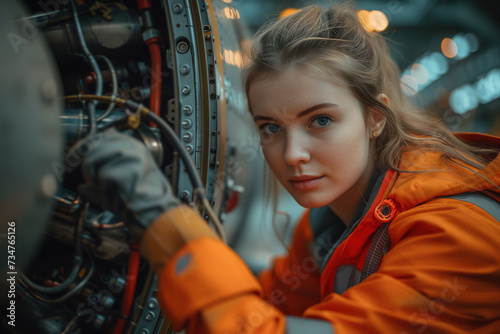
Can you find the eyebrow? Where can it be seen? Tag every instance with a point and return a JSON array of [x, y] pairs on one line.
[[299, 115]]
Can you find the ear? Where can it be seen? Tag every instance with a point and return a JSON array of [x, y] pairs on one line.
[[377, 118]]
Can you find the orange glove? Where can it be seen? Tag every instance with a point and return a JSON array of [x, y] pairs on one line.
[[170, 232]]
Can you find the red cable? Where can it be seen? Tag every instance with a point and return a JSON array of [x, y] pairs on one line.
[[154, 49], [143, 4], [128, 296]]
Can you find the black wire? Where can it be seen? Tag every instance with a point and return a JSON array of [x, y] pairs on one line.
[[167, 131], [92, 117], [68, 294]]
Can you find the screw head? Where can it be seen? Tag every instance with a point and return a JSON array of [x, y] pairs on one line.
[[189, 149], [177, 8], [185, 69], [186, 90], [152, 304], [187, 136], [150, 316], [188, 110], [186, 124]]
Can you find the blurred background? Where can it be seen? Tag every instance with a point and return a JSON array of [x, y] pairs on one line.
[[448, 51], [449, 55]]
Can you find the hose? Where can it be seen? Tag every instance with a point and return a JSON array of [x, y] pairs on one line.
[[128, 295], [68, 294], [114, 85], [93, 63]]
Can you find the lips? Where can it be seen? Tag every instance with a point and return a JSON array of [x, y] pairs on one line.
[[305, 182]]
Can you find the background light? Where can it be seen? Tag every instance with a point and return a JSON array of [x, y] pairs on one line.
[[409, 85], [473, 42], [488, 87], [463, 49], [449, 47], [364, 18], [463, 99], [288, 11], [373, 21], [420, 73], [378, 20]]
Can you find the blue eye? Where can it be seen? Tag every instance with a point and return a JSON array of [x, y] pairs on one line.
[[270, 128], [321, 122]]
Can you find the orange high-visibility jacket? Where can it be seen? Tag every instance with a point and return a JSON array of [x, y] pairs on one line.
[[423, 257]]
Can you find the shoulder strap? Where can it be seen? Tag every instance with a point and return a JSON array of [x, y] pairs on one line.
[[381, 240]]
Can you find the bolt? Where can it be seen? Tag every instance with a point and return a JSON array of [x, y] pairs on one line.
[[48, 89], [48, 186], [152, 304], [188, 110], [150, 316], [185, 69], [177, 8], [186, 124], [187, 137], [208, 36], [189, 149], [182, 47], [186, 90], [213, 150], [186, 194], [144, 331]]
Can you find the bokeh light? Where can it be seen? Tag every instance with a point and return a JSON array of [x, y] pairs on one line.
[[231, 13], [463, 99], [449, 48], [463, 49], [288, 11], [378, 20], [420, 73], [364, 18], [409, 85], [373, 20]]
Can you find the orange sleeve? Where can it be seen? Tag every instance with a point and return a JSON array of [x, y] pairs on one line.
[[206, 288], [209, 289], [293, 282]]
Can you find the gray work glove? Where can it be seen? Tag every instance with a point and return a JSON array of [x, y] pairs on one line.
[[122, 177]]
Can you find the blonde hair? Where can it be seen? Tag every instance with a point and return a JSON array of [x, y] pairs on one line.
[[333, 44]]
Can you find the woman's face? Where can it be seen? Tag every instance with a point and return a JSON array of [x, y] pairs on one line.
[[314, 138]]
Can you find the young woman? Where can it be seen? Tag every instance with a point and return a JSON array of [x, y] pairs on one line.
[[402, 232]]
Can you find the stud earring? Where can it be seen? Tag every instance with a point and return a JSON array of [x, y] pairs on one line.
[[375, 134]]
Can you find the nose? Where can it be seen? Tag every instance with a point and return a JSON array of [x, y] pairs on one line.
[[296, 149]]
